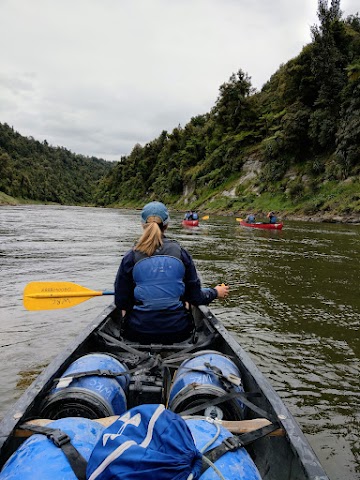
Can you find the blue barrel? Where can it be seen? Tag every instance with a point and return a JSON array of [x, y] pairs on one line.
[[38, 457], [90, 396], [197, 381], [237, 464]]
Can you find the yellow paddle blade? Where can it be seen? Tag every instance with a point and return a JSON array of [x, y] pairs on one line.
[[206, 217], [239, 220], [55, 295]]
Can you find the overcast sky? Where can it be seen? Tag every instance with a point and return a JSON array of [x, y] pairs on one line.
[[99, 76]]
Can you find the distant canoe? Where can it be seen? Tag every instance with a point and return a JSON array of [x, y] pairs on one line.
[[271, 226], [190, 223]]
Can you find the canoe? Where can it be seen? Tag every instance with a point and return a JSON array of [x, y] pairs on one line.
[[246, 402], [190, 223], [269, 226]]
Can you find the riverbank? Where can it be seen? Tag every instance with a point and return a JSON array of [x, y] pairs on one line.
[[321, 217], [7, 200], [12, 201]]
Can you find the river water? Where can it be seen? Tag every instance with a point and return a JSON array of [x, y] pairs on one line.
[[294, 305]]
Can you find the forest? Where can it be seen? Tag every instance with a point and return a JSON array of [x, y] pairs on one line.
[[299, 137], [33, 170]]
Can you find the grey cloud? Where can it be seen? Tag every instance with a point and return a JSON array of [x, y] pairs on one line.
[[17, 83], [98, 77]]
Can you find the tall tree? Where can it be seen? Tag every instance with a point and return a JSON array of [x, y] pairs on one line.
[[232, 106], [328, 67], [348, 134]]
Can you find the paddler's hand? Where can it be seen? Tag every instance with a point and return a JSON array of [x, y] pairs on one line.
[[222, 290]]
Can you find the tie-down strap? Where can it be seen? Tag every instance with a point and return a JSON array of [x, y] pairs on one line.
[[62, 440], [232, 443]]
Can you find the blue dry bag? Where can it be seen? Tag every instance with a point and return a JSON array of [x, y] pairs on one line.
[[147, 442]]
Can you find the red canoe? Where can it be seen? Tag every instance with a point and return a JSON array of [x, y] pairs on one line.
[[273, 226], [190, 223]]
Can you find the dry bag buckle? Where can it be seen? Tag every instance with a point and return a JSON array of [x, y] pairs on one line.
[[104, 373], [59, 438], [232, 443]]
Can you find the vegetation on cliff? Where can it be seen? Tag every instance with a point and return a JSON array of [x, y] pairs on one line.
[[300, 137]]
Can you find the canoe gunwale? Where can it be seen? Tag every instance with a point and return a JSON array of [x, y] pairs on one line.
[[264, 226], [302, 454], [297, 439], [190, 223], [17, 414]]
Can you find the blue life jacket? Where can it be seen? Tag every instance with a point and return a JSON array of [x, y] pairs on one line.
[[251, 219], [146, 442], [158, 279], [195, 216], [273, 219]]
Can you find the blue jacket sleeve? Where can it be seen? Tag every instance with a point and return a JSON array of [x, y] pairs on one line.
[[124, 284], [194, 294]]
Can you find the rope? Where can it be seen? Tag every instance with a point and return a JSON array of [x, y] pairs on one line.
[[207, 446]]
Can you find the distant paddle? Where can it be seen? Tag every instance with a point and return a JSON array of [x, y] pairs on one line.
[[206, 217], [56, 295]]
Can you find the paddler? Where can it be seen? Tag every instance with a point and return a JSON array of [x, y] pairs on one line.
[[155, 281]]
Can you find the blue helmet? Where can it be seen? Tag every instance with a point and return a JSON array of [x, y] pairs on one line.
[[155, 209]]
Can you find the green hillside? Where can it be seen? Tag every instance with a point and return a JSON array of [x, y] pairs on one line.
[[293, 147], [35, 171]]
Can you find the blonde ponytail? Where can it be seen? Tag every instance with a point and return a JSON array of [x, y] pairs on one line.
[[151, 239]]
